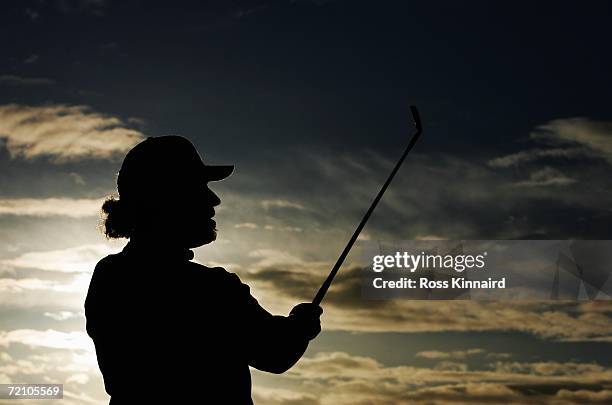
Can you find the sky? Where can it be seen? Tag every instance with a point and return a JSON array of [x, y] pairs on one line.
[[309, 100]]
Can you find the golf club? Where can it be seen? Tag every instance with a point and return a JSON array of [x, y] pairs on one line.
[[330, 278]]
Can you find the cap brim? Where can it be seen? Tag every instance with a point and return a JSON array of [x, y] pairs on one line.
[[216, 173]]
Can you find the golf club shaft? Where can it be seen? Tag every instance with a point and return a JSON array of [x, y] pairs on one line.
[[330, 278]]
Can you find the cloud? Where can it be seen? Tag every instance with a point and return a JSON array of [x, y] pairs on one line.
[[50, 356], [78, 179], [335, 365], [63, 133], [31, 59], [269, 227], [270, 257], [12, 80], [292, 280], [569, 138], [585, 396], [56, 281], [549, 368], [21, 366], [47, 207], [279, 203], [461, 354], [431, 198], [79, 378], [32, 14], [279, 396], [21, 285], [78, 397], [596, 136], [429, 237], [246, 225], [50, 298], [63, 315], [47, 339], [446, 197], [70, 260], [450, 366], [342, 378], [531, 155], [544, 177], [495, 355]]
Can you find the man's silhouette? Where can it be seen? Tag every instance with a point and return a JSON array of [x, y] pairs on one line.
[[166, 329]]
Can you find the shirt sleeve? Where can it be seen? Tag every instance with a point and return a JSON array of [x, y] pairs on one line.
[[93, 302], [273, 343], [98, 324]]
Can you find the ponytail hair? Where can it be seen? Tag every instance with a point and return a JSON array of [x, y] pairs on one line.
[[117, 222]]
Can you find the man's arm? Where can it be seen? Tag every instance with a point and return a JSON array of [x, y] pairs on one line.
[[275, 343], [281, 341]]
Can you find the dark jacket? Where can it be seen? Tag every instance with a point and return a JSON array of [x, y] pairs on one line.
[[168, 328]]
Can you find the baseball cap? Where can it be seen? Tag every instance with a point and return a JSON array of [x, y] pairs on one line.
[[160, 162]]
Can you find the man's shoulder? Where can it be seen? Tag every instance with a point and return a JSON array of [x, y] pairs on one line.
[[106, 263], [109, 260], [215, 271], [218, 274]]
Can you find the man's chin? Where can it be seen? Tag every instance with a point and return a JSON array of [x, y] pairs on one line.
[[204, 238]]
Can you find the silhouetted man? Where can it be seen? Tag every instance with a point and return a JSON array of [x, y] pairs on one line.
[[167, 329]]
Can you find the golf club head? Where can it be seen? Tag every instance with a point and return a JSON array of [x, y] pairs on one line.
[[416, 118]]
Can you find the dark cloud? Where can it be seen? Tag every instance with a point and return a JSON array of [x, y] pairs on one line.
[[344, 378], [346, 309], [451, 197], [13, 80]]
